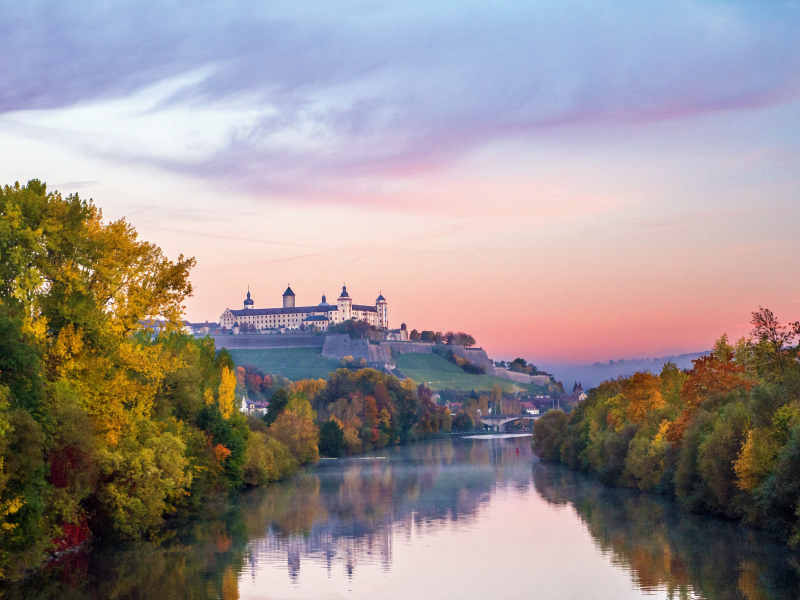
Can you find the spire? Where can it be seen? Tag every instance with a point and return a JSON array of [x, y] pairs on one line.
[[248, 303]]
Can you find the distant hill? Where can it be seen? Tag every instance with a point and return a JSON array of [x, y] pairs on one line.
[[592, 375]]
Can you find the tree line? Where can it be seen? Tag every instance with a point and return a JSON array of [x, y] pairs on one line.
[[437, 337], [722, 438], [107, 428]]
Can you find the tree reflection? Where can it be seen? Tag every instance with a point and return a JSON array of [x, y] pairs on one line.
[[340, 513], [665, 548]]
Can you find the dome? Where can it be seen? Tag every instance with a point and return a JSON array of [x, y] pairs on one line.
[[248, 301], [344, 293], [288, 292], [324, 301]]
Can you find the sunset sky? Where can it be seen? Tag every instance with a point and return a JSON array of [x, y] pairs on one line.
[[567, 181]]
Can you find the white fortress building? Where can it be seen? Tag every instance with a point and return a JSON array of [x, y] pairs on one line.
[[319, 317]]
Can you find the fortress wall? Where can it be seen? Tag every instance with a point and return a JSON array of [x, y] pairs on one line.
[[339, 346], [245, 341], [540, 379], [379, 354], [406, 347], [512, 375], [476, 356]]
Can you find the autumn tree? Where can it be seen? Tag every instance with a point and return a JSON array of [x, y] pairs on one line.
[[295, 428]]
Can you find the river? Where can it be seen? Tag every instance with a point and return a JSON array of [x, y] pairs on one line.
[[460, 518]]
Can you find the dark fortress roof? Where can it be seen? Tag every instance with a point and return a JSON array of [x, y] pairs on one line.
[[344, 293], [316, 318], [248, 302], [380, 298], [364, 308], [284, 311], [288, 292]]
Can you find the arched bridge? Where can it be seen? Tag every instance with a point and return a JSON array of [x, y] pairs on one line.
[[501, 422]]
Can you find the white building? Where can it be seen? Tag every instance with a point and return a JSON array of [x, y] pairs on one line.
[[319, 317]]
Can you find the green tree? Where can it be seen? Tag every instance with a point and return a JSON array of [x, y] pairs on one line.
[[548, 432], [331, 439], [277, 404]]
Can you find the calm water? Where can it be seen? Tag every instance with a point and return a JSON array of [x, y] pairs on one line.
[[463, 518]]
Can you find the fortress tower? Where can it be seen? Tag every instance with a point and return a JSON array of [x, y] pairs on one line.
[[345, 304], [383, 312], [288, 298]]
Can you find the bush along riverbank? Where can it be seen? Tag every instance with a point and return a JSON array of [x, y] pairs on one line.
[[111, 419], [722, 438]]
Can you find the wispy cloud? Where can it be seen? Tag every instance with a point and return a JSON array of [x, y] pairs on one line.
[[276, 97]]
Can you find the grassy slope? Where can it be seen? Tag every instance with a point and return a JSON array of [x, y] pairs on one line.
[[439, 373], [292, 363]]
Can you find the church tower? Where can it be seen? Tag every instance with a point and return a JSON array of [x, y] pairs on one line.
[[248, 303], [288, 298], [345, 304], [383, 312]]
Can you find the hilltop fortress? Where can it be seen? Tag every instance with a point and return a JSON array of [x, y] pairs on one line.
[[308, 327], [312, 318]]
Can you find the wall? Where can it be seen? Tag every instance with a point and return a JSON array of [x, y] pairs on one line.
[[241, 342], [477, 356], [339, 346], [512, 375]]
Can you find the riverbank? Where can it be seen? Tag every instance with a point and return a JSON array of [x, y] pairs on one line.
[[722, 439]]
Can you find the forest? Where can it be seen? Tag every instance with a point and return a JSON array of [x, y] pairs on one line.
[[107, 429], [722, 438]]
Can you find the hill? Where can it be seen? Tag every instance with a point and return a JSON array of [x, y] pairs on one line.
[[438, 373], [592, 375], [292, 363]]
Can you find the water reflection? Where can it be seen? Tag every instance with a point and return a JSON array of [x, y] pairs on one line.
[[427, 521], [665, 548]]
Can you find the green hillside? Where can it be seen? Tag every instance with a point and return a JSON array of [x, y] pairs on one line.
[[292, 363], [439, 373]]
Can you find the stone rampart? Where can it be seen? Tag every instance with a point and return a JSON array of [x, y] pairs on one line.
[[512, 375], [255, 341], [379, 354], [476, 356], [406, 347], [339, 346]]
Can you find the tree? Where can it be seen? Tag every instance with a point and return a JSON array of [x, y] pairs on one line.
[[277, 404], [497, 395], [519, 365], [767, 328], [465, 339], [331, 439], [415, 335], [227, 391], [295, 428], [463, 421], [548, 435]]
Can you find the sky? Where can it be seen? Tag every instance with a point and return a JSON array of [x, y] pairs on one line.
[[566, 181]]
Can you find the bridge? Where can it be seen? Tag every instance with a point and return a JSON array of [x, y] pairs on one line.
[[501, 422]]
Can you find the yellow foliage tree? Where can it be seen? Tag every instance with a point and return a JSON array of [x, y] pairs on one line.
[[310, 388], [295, 428], [227, 392]]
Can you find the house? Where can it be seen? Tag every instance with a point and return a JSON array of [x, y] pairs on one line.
[[529, 408], [253, 407]]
